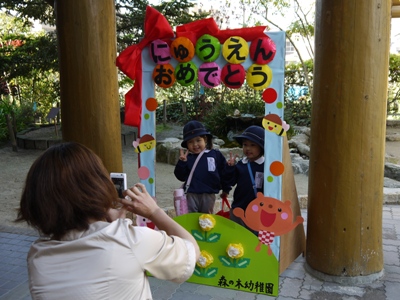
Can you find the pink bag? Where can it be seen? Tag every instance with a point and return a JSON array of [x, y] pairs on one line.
[[180, 202]]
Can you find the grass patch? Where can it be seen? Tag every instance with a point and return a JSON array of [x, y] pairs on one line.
[[162, 127]]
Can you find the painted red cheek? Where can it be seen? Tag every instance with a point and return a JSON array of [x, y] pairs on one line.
[[267, 219]]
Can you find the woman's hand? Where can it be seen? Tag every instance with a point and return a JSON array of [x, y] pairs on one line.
[[139, 201]]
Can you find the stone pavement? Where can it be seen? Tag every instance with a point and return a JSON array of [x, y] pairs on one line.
[[295, 282]]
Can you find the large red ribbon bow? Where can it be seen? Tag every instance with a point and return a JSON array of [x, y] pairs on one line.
[[157, 27], [129, 61]]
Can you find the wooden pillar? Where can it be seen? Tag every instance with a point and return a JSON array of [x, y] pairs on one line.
[[348, 125], [395, 8], [90, 112]]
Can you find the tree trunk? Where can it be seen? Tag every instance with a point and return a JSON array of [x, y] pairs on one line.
[[11, 133], [90, 112], [344, 230]]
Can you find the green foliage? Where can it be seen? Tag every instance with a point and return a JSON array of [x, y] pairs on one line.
[[213, 106], [394, 84], [30, 10], [295, 75], [130, 16], [29, 74], [5, 108], [22, 116], [297, 110], [26, 55]]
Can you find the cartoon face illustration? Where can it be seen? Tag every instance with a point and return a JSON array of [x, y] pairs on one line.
[[270, 217], [273, 123], [146, 143], [144, 222]]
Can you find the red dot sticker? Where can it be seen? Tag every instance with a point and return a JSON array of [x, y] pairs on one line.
[[277, 168], [151, 104], [143, 173], [270, 95]]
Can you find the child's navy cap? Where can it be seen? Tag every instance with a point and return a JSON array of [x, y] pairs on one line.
[[193, 129], [253, 133]]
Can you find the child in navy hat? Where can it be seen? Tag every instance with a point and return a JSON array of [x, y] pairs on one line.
[[209, 176], [248, 173]]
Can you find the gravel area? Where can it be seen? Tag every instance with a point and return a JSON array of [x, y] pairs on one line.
[[15, 165]]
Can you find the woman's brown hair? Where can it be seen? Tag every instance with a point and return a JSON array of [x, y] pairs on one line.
[[66, 188]]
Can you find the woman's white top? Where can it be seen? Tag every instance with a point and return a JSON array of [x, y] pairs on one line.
[[108, 261]]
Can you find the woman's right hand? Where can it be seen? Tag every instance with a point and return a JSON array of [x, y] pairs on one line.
[[139, 201]]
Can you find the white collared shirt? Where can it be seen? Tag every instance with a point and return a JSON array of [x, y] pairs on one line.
[[108, 261]]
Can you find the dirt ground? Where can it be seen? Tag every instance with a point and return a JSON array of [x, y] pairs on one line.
[[14, 167]]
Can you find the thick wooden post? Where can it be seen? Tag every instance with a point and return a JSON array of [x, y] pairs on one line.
[[344, 230], [395, 8], [90, 112]]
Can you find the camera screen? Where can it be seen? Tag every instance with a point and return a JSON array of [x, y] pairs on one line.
[[119, 185]]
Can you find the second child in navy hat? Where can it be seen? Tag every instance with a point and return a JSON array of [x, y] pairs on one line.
[[209, 175], [248, 173]]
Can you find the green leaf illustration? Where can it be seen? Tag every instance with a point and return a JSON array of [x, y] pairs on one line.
[[214, 237], [198, 235], [206, 273], [226, 261], [242, 263], [211, 272]]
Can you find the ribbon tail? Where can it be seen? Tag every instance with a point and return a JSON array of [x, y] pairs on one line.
[[133, 106]]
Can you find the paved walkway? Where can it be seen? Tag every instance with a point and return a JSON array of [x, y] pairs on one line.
[[295, 282]]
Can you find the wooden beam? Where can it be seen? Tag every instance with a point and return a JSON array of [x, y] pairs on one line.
[[395, 2], [396, 11]]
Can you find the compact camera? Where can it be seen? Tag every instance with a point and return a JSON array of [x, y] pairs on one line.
[[119, 180]]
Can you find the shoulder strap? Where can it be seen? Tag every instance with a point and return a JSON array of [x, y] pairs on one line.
[[252, 178], [191, 172]]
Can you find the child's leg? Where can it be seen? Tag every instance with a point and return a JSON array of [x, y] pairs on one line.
[[202, 203], [192, 202], [206, 203]]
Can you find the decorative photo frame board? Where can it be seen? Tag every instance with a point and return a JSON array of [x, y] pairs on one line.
[[232, 256]]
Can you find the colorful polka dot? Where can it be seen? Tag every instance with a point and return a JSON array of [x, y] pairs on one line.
[[151, 104], [143, 173], [270, 95], [277, 168]]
